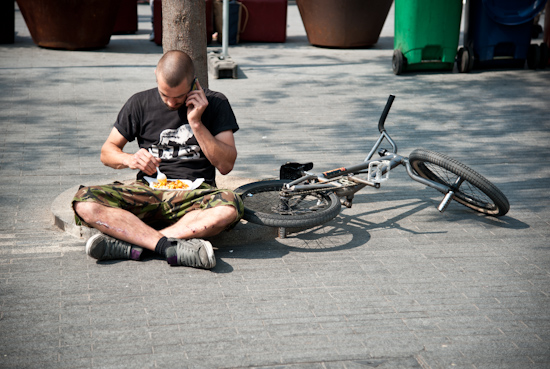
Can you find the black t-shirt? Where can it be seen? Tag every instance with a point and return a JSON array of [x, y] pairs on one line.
[[167, 134]]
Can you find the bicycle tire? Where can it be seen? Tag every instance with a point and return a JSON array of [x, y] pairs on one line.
[[262, 204], [474, 191]]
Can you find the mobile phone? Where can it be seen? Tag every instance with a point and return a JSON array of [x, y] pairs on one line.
[[194, 86]]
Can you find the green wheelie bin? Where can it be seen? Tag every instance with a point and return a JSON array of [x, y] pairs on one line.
[[426, 34]]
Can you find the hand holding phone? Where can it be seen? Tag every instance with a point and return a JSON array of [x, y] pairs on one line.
[[196, 103]]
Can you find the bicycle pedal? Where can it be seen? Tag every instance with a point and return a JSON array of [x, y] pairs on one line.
[[376, 172], [347, 203]]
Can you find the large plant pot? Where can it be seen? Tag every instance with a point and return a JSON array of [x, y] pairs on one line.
[[70, 24], [343, 23]]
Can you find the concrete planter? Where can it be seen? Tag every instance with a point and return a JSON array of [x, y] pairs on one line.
[[70, 24], [343, 23]]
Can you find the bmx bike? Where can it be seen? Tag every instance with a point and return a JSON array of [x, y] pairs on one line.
[[302, 199]]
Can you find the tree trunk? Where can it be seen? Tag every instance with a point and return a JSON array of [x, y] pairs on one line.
[[184, 28]]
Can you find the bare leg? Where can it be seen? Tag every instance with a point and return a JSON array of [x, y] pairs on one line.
[[202, 223], [118, 223]]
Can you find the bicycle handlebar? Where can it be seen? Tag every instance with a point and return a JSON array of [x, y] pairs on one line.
[[385, 113]]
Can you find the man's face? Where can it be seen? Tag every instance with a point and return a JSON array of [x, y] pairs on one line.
[[174, 97]]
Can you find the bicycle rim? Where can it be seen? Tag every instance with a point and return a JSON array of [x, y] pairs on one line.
[[264, 205], [470, 188]]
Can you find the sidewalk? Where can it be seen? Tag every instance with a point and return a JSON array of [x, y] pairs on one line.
[[390, 283]]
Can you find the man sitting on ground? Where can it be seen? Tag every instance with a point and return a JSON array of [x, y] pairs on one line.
[[185, 131]]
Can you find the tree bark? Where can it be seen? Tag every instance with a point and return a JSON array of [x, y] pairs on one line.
[[184, 28]]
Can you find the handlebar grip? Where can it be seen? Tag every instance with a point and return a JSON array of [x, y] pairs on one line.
[[385, 113]]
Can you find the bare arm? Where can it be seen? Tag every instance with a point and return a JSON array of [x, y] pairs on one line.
[[220, 149], [113, 156]]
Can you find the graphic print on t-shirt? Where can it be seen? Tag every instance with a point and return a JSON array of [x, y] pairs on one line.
[[173, 144]]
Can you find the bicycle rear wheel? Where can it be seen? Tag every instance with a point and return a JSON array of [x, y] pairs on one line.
[[470, 188], [264, 205]]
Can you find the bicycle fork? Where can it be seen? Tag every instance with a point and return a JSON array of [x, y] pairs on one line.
[[447, 191]]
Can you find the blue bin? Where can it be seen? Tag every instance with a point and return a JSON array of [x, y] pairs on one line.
[[498, 32]]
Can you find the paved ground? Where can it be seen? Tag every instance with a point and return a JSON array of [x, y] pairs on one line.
[[390, 283]]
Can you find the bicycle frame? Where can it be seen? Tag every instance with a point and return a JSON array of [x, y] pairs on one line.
[[344, 183]]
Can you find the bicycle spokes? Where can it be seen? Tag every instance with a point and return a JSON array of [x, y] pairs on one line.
[[458, 187], [299, 204]]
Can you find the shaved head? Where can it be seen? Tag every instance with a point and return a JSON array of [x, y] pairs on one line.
[[174, 67]]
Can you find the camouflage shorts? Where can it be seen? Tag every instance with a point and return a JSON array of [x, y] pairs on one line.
[[156, 207]]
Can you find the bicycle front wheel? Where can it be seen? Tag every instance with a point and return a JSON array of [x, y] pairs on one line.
[[265, 205], [470, 188]]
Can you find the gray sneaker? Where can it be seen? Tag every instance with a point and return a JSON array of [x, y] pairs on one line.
[[103, 247], [194, 253]]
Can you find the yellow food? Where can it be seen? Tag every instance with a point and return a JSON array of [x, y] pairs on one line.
[[170, 185]]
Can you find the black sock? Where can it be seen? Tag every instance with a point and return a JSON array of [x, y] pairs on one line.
[[162, 245]]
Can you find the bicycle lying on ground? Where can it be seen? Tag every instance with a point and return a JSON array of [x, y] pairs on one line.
[[302, 199]]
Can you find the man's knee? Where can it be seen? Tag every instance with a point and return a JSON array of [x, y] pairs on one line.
[[229, 214], [86, 210]]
